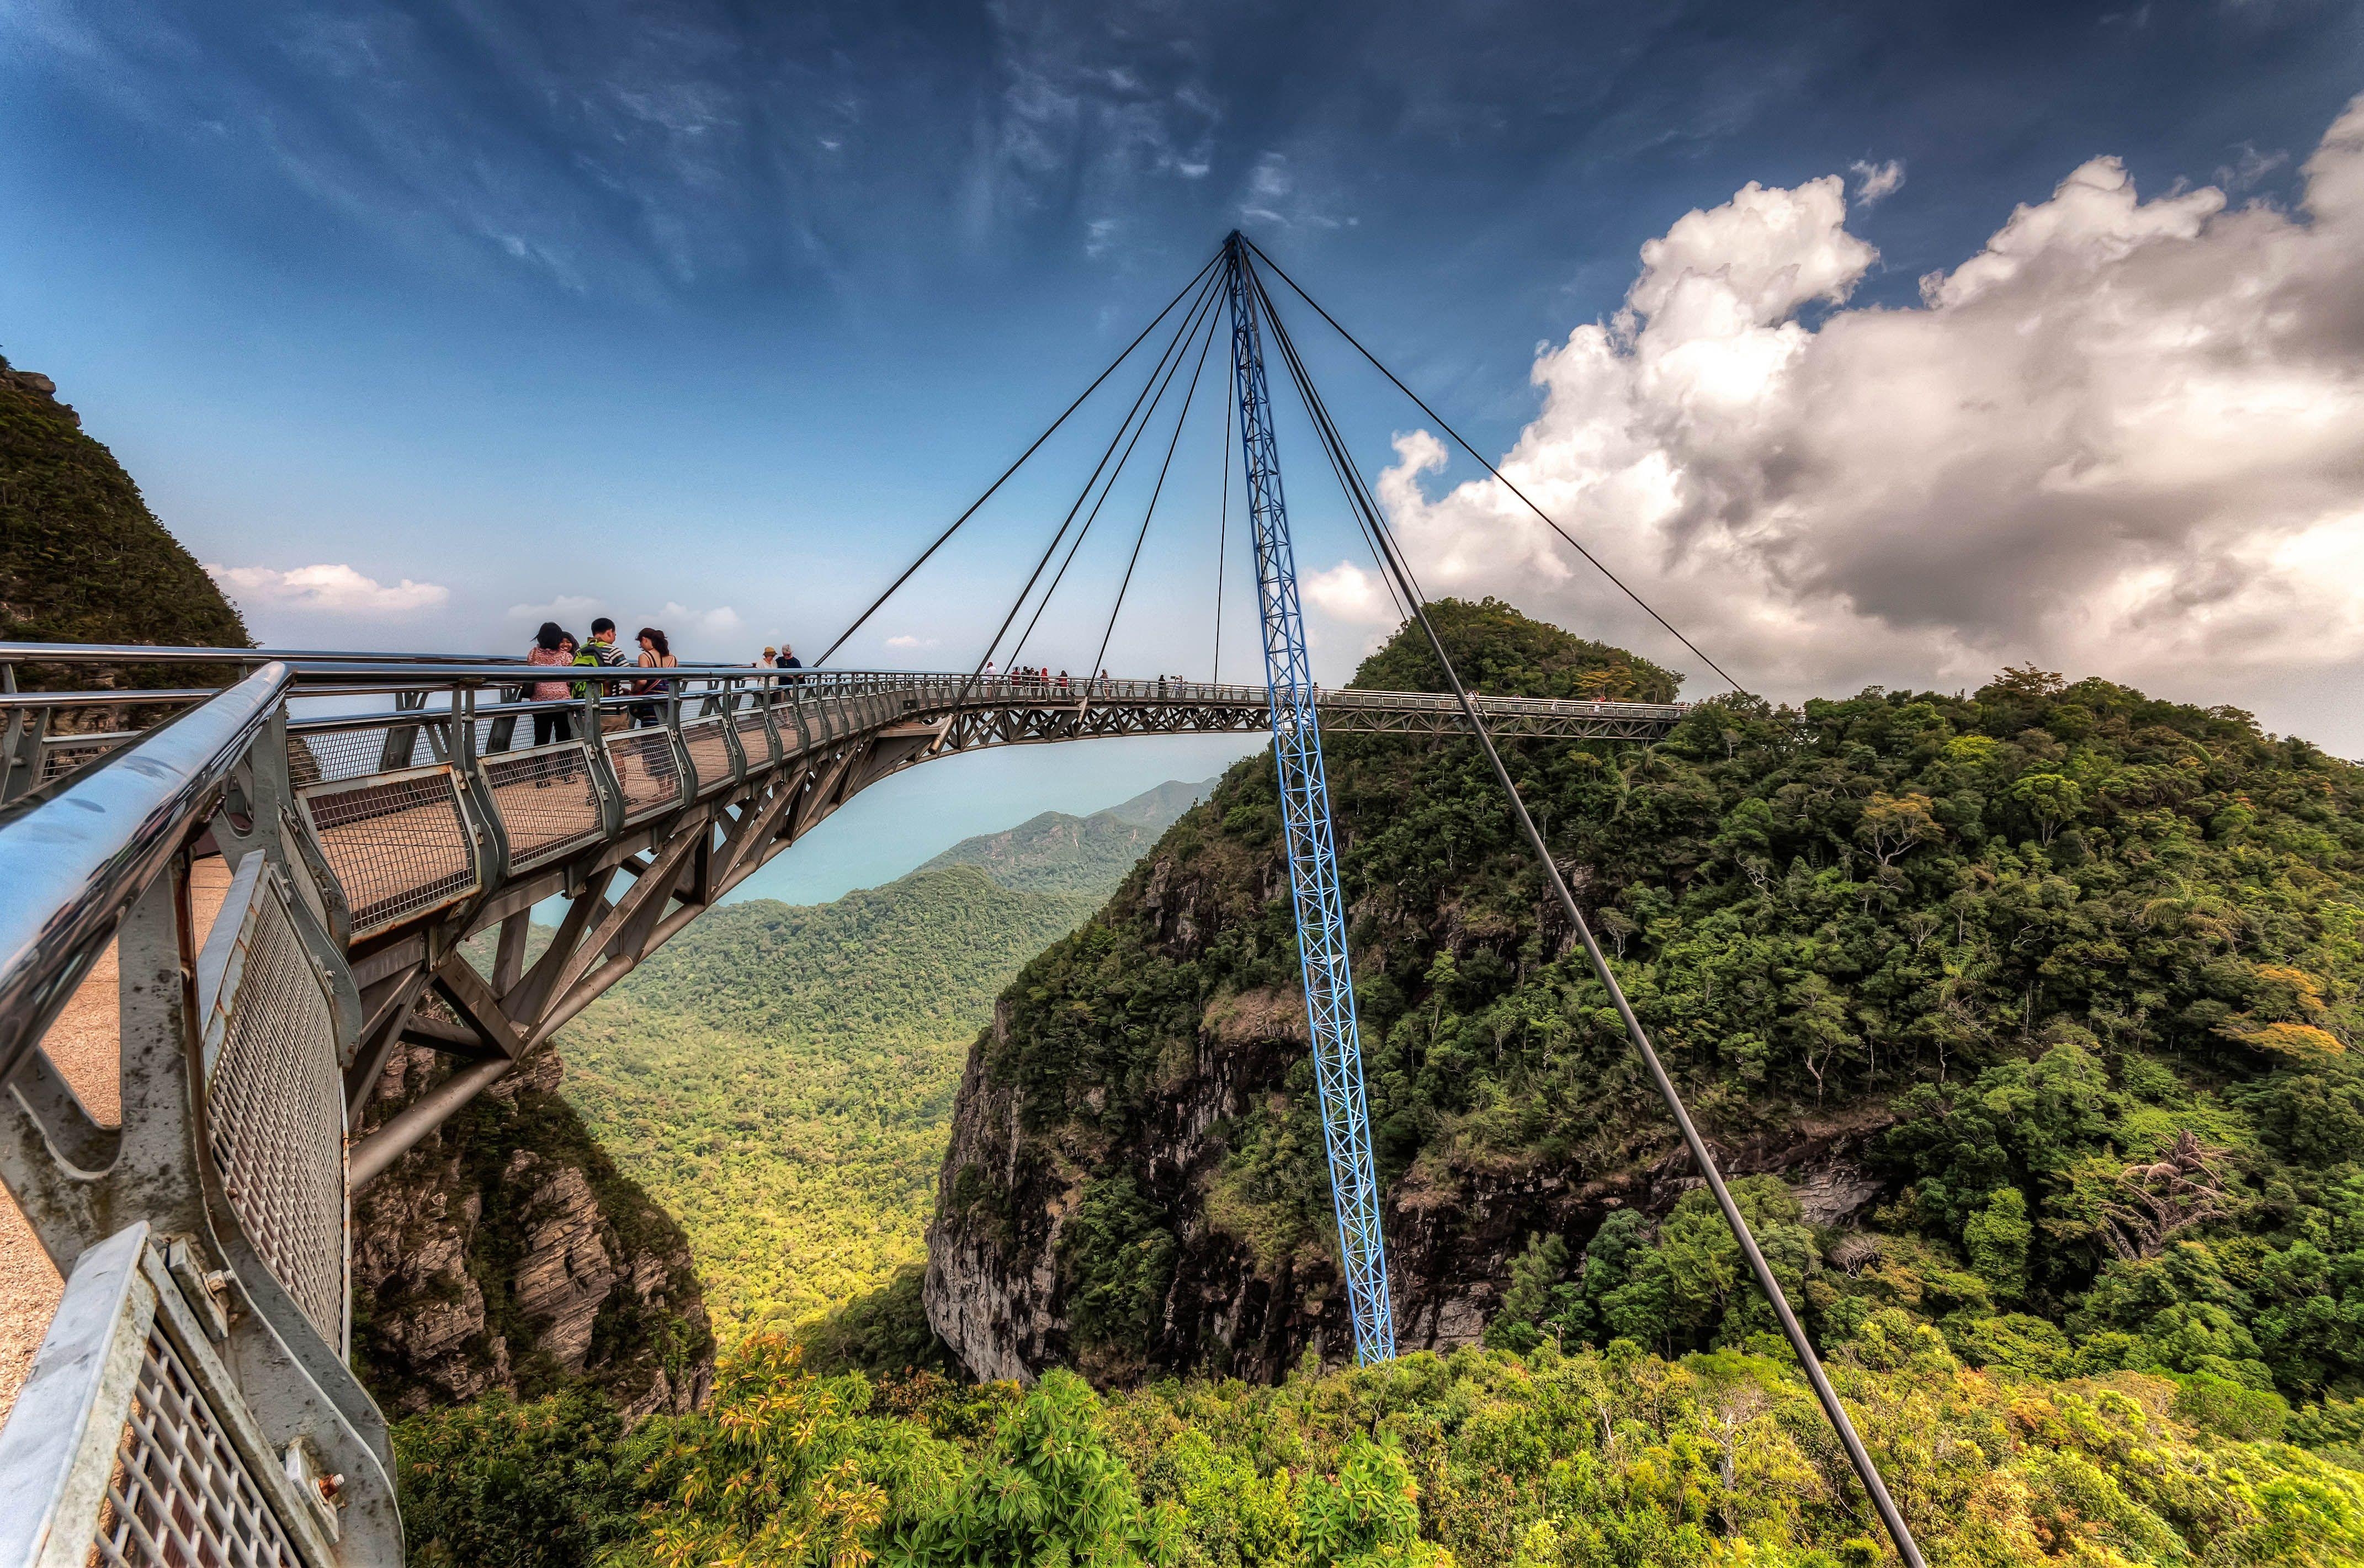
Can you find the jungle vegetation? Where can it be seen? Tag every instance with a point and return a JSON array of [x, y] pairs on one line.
[[1607, 1459], [781, 1076], [81, 559], [2081, 964]]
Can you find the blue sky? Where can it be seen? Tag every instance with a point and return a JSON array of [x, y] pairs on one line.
[[684, 309]]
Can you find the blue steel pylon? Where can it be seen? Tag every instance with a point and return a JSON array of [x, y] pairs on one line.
[[1313, 861]]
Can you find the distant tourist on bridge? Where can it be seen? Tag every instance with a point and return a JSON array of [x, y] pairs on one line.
[[788, 661], [656, 653], [552, 645]]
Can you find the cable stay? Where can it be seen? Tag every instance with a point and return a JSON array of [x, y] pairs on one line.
[[1619, 582]]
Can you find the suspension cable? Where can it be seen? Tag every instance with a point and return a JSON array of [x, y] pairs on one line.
[[1180, 342], [1223, 536], [997, 484], [1348, 476], [1180, 419], [1048, 551], [1552, 522], [1358, 496]]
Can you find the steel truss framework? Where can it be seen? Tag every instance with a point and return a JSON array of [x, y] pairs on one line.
[[1313, 859]]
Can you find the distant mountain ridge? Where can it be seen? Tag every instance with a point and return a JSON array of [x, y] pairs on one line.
[[1057, 853]]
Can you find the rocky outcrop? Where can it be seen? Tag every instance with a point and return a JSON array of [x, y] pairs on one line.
[[994, 1287], [506, 1254]]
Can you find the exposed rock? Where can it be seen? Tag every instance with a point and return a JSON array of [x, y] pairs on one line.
[[1834, 1192], [566, 1274], [506, 1253]]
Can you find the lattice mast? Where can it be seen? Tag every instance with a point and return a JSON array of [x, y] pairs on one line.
[[1313, 859]]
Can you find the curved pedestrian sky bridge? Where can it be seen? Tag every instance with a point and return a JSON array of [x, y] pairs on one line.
[[284, 869]]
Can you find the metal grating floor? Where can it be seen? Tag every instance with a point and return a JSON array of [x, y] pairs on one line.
[[180, 1497]]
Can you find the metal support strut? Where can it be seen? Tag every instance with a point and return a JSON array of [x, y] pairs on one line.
[[1313, 861]]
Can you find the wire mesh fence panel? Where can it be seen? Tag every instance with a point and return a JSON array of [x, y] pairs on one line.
[[332, 756], [498, 732], [399, 847], [63, 754], [709, 745], [274, 1118], [646, 770], [755, 738], [547, 799], [179, 1495]]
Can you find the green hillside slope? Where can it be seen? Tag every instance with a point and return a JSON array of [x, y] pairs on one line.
[[2029, 1012], [781, 1077], [82, 560]]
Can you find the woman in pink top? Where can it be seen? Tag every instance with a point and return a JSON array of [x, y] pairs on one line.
[[551, 646]]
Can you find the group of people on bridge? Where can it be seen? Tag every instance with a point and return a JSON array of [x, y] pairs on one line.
[[554, 645], [1038, 676]]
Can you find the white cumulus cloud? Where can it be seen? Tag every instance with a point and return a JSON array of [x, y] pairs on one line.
[[2126, 438], [1350, 593], [336, 589], [905, 639]]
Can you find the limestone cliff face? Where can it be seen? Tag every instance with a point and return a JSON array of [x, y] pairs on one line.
[[506, 1253], [1250, 1292]]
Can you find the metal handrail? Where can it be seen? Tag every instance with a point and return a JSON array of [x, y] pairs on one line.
[[111, 697], [74, 861], [355, 672]]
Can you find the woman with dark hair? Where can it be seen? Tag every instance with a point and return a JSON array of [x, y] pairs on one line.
[[656, 653], [552, 645]]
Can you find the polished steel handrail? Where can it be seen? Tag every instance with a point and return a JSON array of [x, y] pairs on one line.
[[111, 697], [75, 861]]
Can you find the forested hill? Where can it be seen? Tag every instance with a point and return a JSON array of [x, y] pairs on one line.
[[82, 560], [1057, 853], [2032, 1009], [781, 1077]]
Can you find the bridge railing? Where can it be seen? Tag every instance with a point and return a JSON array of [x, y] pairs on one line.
[[191, 1402]]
